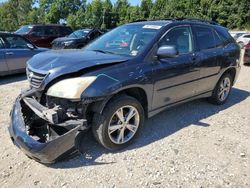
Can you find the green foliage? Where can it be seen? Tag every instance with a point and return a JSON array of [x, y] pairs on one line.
[[103, 14]]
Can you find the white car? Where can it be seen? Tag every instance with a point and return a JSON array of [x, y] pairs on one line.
[[244, 39]]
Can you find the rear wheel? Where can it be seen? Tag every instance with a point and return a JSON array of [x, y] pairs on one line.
[[119, 124], [222, 90]]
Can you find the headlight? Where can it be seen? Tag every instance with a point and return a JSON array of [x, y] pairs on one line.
[[67, 43], [70, 88]]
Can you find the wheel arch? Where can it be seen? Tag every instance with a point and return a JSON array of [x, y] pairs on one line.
[[136, 92], [232, 71]]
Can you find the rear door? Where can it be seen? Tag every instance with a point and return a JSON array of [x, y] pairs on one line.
[[175, 77], [3, 64], [208, 54], [17, 52]]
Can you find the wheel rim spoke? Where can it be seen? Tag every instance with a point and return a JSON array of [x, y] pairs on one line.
[[120, 115], [130, 114], [120, 138], [114, 128], [131, 127]]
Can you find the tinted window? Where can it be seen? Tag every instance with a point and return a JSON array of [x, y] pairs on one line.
[[50, 31], [179, 37], [246, 36], [15, 42], [38, 31], [204, 37], [218, 40], [224, 35]]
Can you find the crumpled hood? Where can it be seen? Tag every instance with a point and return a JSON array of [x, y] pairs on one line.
[[61, 62]]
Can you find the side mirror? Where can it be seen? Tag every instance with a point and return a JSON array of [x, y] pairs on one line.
[[167, 51], [30, 46]]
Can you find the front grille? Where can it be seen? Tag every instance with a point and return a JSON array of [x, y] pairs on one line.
[[35, 78]]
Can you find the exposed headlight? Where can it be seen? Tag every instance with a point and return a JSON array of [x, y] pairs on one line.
[[67, 43], [70, 88]]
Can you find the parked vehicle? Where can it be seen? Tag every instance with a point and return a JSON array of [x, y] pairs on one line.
[[244, 39], [112, 88], [43, 34], [15, 50], [246, 57], [77, 39], [237, 34]]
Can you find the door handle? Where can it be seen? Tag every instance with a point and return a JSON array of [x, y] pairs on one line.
[[9, 53]]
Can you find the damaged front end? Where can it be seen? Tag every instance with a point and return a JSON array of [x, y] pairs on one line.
[[46, 132]]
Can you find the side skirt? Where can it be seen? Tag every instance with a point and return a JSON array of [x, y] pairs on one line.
[[158, 110]]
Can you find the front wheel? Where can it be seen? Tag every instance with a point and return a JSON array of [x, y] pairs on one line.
[[120, 122], [222, 90]]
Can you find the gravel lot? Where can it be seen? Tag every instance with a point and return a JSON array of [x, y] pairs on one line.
[[193, 145]]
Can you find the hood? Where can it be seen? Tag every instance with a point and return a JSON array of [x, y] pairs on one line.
[[61, 62]]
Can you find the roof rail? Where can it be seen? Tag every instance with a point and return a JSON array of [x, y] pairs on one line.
[[140, 20], [197, 20]]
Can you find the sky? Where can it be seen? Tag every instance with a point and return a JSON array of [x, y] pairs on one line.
[[132, 2]]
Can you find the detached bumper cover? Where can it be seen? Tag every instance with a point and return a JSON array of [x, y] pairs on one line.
[[47, 152]]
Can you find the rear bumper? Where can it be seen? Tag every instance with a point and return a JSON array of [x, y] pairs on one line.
[[44, 152]]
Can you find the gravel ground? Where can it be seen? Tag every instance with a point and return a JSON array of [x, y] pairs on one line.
[[196, 144]]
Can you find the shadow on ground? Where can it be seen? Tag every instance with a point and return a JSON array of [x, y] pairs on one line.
[[156, 128], [12, 78]]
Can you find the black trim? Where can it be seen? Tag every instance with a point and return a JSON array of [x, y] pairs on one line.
[[187, 82]]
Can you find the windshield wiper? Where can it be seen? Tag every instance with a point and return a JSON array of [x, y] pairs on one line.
[[104, 52]]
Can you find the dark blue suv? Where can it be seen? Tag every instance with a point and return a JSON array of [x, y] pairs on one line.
[[132, 72]]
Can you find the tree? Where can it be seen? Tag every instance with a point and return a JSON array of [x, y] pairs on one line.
[[121, 7], [145, 8]]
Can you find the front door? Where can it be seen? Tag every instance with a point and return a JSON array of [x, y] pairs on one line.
[[175, 78]]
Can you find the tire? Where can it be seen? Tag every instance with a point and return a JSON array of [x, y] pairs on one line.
[[108, 135], [217, 97]]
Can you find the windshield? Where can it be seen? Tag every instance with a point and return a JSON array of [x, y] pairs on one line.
[[127, 40], [24, 29], [79, 33]]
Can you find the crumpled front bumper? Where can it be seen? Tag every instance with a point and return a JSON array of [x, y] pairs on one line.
[[44, 152]]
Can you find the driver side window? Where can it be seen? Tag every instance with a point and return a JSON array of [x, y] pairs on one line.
[[180, 38]]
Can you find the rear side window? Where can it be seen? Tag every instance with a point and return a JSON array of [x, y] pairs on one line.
[[204, 37], [246, 36], [218, 41], [224, 36], [38, 31], [50, 31]]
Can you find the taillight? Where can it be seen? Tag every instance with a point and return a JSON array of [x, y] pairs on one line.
[[247, 46]]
